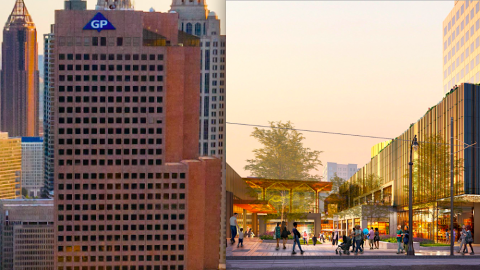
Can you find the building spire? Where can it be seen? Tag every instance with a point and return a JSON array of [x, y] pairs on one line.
[[19, 15]]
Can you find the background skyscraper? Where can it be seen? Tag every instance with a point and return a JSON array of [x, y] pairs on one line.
[[461, 39], [32, 166], [26, 234], [130, 190], [196, 19], [10, 167], [19, 76]]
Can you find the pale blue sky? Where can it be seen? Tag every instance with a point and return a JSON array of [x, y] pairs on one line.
[[42, 11], [367, 68]]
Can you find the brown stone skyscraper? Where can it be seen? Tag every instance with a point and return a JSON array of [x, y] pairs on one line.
[[130, 189], [19, 75]]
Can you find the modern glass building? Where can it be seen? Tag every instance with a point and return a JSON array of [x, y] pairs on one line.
[[32, 166], [431, 193], [10, 167]]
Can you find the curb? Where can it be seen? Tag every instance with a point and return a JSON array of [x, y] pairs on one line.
[[348, 257]]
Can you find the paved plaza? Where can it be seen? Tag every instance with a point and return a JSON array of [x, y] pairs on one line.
[[256, 249]]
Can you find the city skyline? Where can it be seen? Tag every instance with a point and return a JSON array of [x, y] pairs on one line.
[[355, 75], [43, 14]]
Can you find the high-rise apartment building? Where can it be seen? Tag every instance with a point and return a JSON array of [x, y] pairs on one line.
[[461, 41], [10, 167], [26, 234], [344, 171], [19, 75], [196, 19], [32, 165], [130, 189], [48, 119]]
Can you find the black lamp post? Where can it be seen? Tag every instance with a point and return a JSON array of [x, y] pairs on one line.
[[413, 146]]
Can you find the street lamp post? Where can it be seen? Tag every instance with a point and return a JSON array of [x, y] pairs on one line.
[[451, 188], [413, 146]]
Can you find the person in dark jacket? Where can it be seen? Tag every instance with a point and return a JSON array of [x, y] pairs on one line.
[[284, 235], [296, 239]]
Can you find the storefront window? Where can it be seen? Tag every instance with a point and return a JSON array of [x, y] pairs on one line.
[[307, 225], [383, 227]]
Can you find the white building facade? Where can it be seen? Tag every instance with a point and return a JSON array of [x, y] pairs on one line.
[[344, 171], [32, 165]]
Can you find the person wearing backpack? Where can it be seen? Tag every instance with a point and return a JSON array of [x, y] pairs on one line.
[[468, 241], [461, 240], [285, 233], [405, 239], [296, 239]]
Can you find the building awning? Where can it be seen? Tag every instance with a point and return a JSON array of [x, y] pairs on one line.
[[255, 206], [317, 186]]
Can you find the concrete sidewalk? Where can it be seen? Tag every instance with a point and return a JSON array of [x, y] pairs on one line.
[[256, 249], [393, 264]]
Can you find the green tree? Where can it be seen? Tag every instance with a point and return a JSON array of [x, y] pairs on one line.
[[284, 157], [431, 176]]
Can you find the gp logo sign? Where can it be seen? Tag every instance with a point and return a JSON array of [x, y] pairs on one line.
[[99, 23]]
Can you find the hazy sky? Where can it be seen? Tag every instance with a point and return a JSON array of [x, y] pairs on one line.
[[42, 11], [367, 68]]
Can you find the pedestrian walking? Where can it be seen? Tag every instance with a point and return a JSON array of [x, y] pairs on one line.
[[371, 237], [405, 239], [468, 241], [233, 227], [358, 239], [399, 239], [352, 236], [284, 235], [314, 240], [461, 239], [305, 238], [277, 233], [333, 237], [447, 236], [240, 238], [377, 238], [249, 233], [296, 239]]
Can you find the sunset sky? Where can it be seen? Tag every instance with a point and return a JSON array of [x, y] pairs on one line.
[[42, 11], [369, 68]]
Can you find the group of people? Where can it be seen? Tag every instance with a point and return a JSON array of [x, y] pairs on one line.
[[465, 239], [233, 229], [359, 236], [403, 236]]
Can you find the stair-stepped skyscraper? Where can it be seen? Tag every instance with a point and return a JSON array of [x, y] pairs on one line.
[[196, 19], [19, 76]]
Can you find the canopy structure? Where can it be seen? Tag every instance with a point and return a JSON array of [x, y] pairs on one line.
[[255, 206], [290, 185]]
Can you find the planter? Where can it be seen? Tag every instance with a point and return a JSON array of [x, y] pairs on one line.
[[388, 245]]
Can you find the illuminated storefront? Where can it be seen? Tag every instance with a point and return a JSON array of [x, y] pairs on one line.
[[389, 162]]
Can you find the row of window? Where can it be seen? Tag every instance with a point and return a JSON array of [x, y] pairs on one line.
[[124, 267], [110, 120], [102, 152], [121, 247], [117, 141], [111, 57], [132, 227], [110, 162], [125, 186], [110, 78], [110, 88], [103, 237], [111, 67]]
